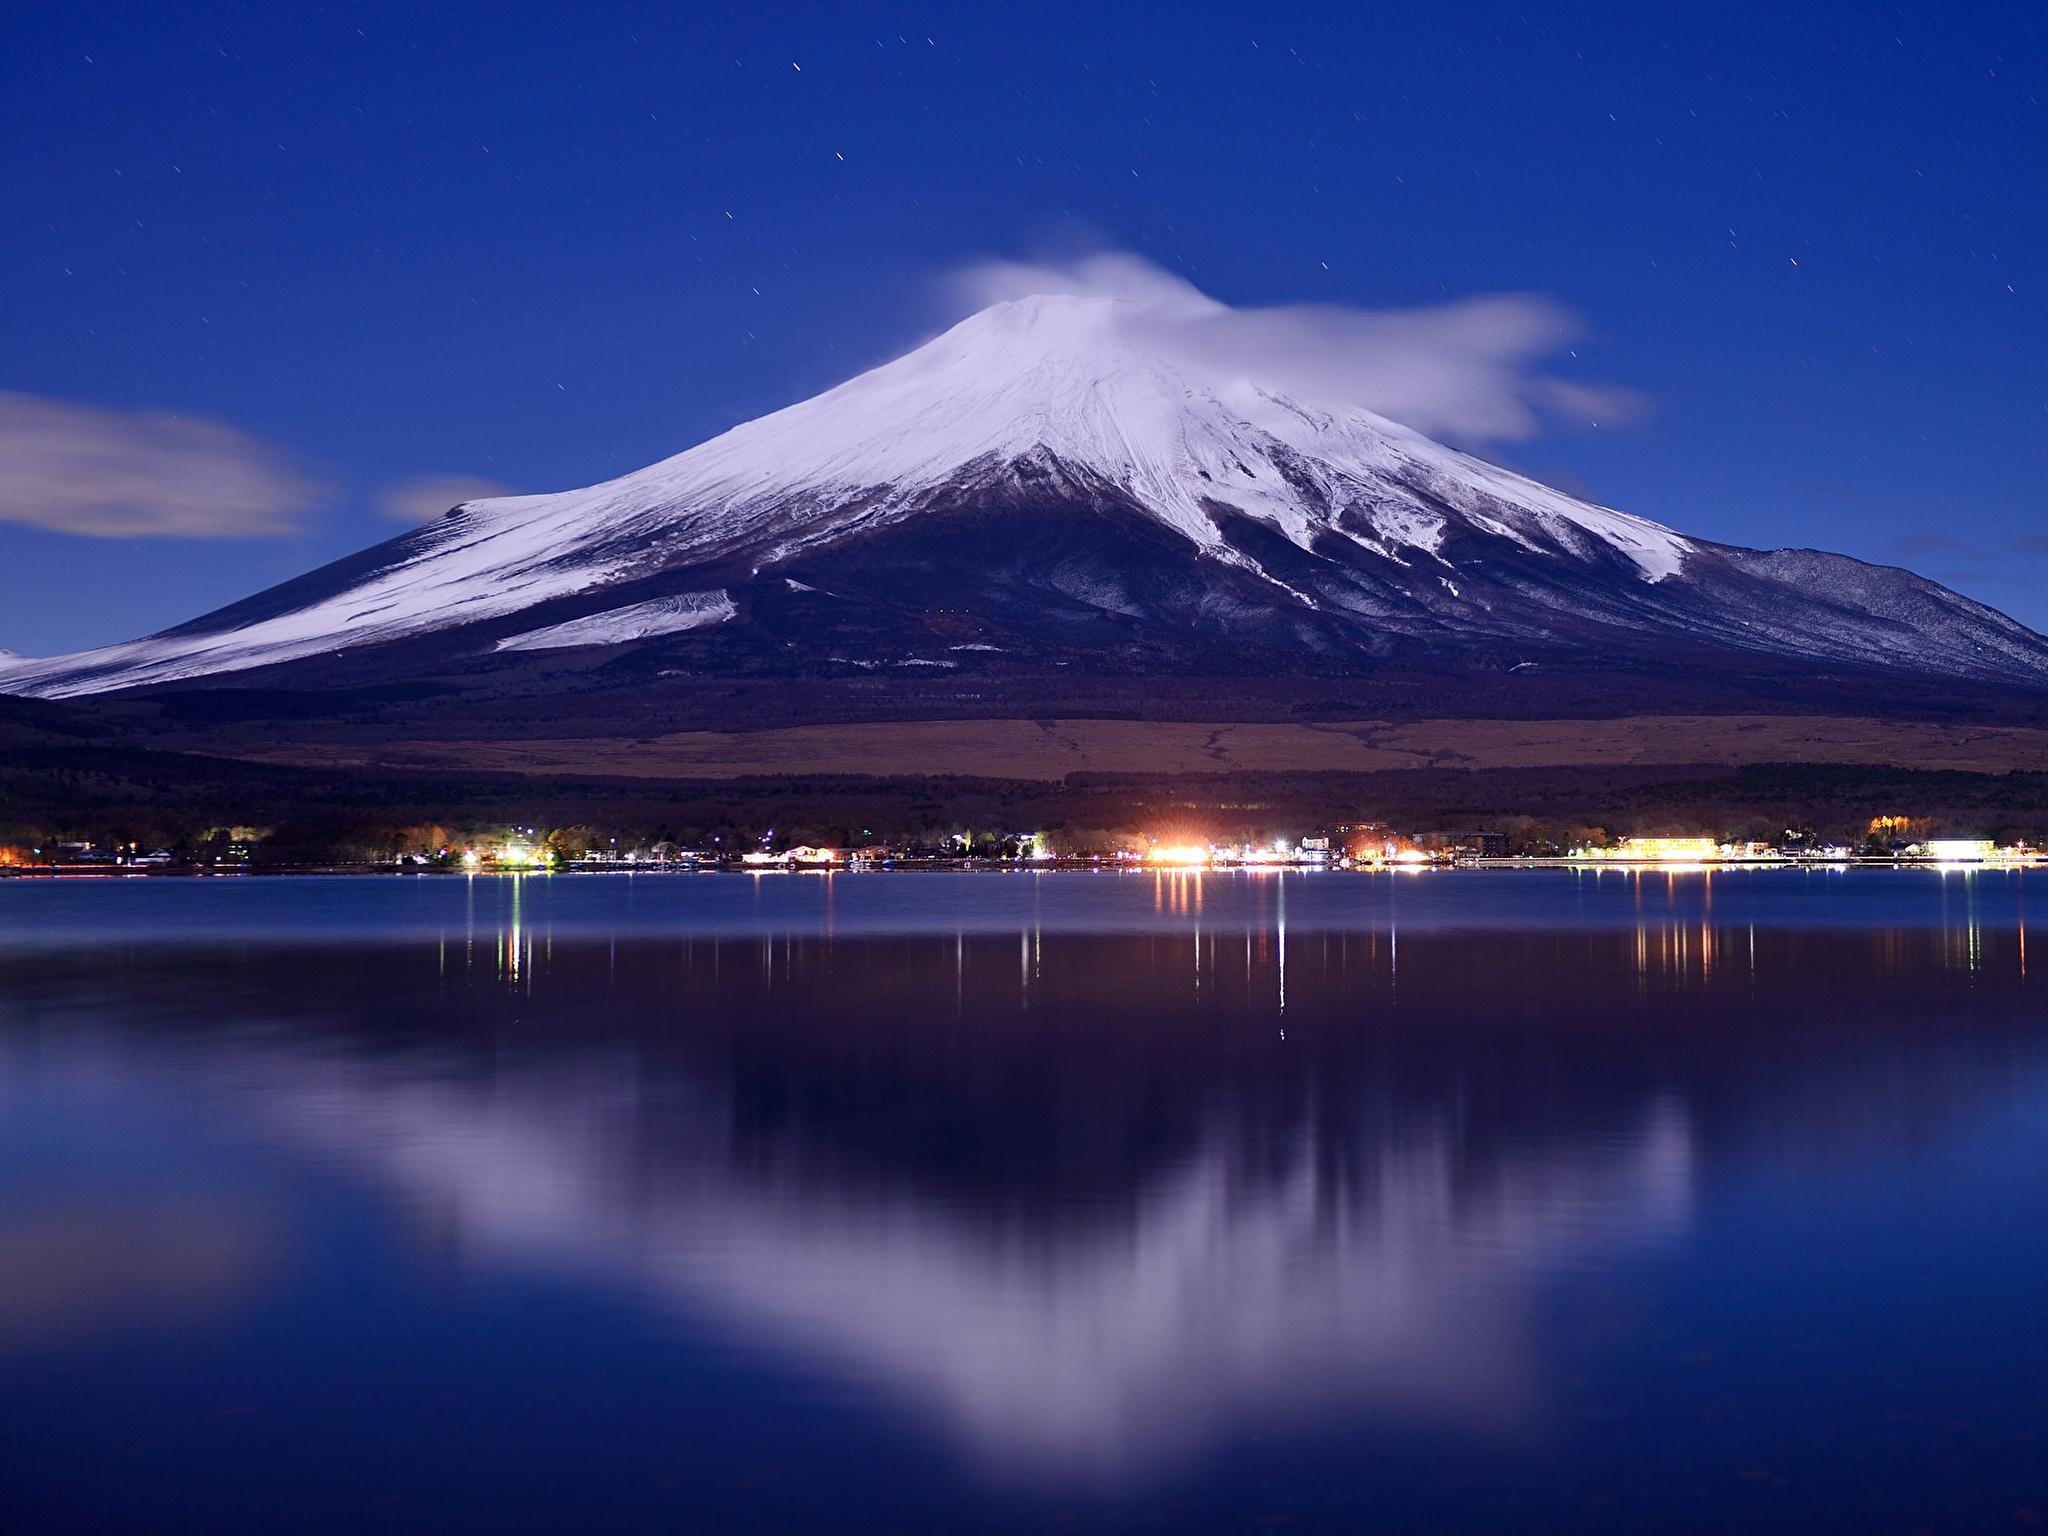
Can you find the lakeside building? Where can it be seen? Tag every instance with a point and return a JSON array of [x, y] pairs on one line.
[[803, 856], [1464, 845], [1959, 850], [1706, 850], [1656, 850], [1313, 852], [666, 856]]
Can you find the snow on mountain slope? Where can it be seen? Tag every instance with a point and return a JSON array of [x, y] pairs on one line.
[[636, 621], [1436, 539]]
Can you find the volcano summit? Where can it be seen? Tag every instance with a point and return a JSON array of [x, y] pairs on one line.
[[1048, 490]]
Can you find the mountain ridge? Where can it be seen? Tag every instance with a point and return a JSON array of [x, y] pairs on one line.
[[1046, 485]]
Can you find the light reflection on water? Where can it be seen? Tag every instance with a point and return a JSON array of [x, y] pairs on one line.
[[1046, 1199], [514, 910]]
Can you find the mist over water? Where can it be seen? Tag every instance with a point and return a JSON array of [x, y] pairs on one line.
[[990, 1202]]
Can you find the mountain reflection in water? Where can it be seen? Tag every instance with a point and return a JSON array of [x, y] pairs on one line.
[[1084, 1205]]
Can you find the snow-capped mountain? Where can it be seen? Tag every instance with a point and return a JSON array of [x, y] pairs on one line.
[[1039, 484]]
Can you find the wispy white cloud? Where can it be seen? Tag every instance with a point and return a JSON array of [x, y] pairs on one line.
[[426, 497], [108, 474], [1472, 371]]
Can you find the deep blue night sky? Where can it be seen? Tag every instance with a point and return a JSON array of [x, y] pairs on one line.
[[543, 245]]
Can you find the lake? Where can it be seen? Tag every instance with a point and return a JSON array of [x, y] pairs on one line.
[[1443, 1201]]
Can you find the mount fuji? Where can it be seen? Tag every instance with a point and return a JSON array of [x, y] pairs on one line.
[[1042, 487]]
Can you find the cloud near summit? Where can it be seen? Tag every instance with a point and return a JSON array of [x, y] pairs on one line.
[[427, 497], [1470, 370]]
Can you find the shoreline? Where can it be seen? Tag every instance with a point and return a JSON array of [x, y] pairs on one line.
[[1029, 866]]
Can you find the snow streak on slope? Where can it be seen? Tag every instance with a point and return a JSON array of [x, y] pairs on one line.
[[637, 621]]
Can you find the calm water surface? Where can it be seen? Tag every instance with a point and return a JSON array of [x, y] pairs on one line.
[[1530, 1201]]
